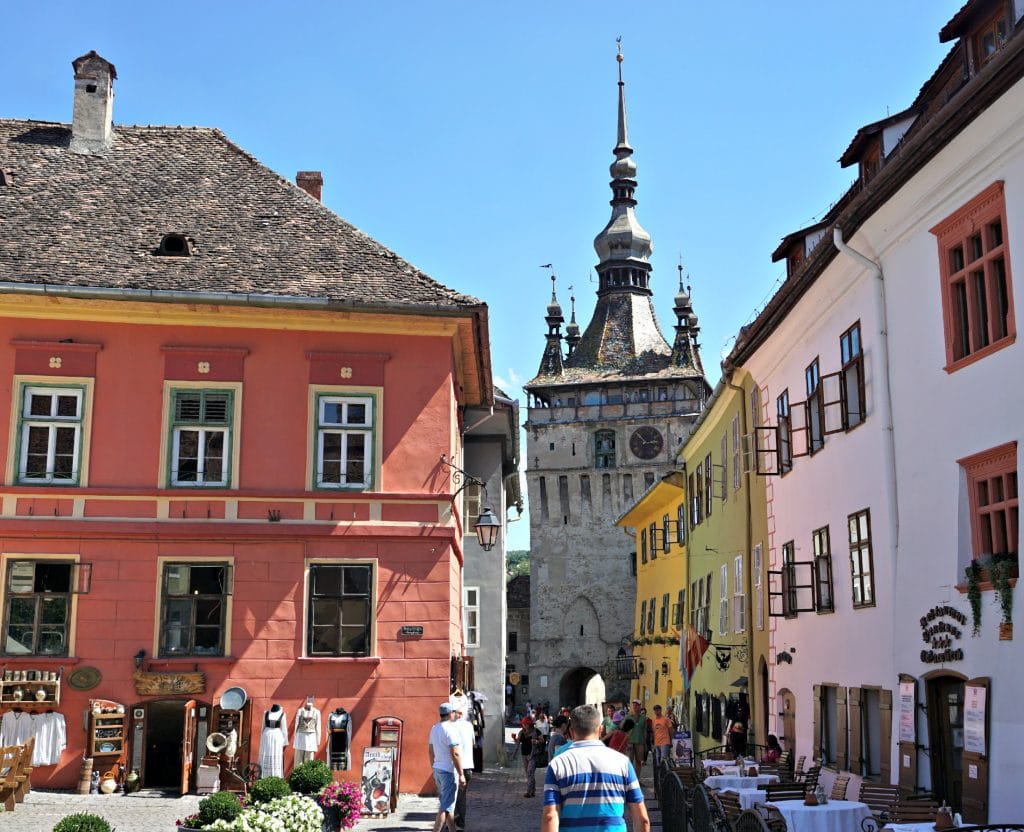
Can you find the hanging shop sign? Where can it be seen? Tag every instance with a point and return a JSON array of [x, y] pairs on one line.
[[152, 684], [940, 630]]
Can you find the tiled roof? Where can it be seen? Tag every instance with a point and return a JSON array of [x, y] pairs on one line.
[[95, 221]]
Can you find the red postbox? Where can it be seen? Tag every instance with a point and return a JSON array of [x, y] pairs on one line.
[[387, 733]]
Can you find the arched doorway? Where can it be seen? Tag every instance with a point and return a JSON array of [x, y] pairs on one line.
[[787, 712], [579, 687]]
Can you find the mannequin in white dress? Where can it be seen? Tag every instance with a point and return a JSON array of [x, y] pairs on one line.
[[272, 742], [307, 732]]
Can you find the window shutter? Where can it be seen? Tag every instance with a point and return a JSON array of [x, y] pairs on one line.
[[885, 736], [832, 403], [853, 697], [816, 706], [643, 617], [229, 579], [81, 578], [975, 789], [841, 729], [799, 443], [188, 407], [908, 749]]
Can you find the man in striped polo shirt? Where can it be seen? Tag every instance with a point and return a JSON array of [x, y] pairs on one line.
[[589, 787]]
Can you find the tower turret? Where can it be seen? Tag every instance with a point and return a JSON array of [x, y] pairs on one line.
[[685, 350], [572, 329], [551, 362]]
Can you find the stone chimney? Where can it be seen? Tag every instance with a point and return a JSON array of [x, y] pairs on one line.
[[312, 182], [94, 104]]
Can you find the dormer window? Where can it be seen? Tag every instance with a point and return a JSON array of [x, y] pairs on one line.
[[176, 245], [989, 39], [6, 177]]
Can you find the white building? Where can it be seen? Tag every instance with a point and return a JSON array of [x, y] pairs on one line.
[[880, 674]]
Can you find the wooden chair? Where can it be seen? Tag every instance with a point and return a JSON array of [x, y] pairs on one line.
[[880, 799], [914, 811], [750, 820], [8, 775], [703, 811], [783, 791], [730, 805], [839, 786], [798, 772], [810, 780]]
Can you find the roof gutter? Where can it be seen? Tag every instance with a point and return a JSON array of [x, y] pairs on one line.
[[892, 486], [229, 299]]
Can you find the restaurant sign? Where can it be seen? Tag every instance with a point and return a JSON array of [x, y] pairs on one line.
[[941, 635]]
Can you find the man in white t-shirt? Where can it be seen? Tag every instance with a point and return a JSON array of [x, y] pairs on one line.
[[467, 737], [446, 761]]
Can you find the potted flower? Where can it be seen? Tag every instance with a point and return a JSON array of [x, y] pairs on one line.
[[341, 803]]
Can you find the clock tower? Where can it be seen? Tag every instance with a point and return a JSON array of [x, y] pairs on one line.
[[606, 419]]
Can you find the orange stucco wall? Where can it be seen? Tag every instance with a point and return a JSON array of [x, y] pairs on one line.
[[404, 524]]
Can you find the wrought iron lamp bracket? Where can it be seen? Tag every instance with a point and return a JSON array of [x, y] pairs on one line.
[[462, 478]]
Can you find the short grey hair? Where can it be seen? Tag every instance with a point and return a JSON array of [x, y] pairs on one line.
[[586, 720]]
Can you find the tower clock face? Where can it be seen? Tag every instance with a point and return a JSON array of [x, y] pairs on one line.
[[646, 442]]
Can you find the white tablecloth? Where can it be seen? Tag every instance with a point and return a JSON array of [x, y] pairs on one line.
[[749, 797], [735, 782], [725, 765], [834, 816], [927, 826]]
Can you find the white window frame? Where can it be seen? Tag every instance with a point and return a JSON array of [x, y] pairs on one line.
[[723, 599], [471, 615], [52, 423], [344, 429], [739, 616], [203, 430]]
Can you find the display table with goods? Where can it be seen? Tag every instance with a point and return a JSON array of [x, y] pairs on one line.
[[833, 816]]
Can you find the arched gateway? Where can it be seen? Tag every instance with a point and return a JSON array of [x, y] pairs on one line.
[[581, 686]]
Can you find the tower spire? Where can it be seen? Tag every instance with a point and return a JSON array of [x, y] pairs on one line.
[[572, 329], [623, 246]]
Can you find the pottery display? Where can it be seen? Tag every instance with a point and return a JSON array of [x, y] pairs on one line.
[[41, 695], [18, 694]]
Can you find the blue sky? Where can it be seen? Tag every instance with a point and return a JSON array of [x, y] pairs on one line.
[[474, 138]]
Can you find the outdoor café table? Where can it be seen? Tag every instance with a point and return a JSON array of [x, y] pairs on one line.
[[735, 781], [834, 816], [749, 797], [727, 764]]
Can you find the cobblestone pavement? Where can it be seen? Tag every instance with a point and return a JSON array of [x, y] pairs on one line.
[[495, 804]]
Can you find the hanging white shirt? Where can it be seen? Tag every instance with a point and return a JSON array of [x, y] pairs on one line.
[[51, 739]]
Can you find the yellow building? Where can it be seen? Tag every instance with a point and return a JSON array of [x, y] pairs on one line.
[[725, 586], [659, 521]]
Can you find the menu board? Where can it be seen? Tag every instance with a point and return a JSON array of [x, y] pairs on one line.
[[378, 765], [974, 719], [907, 705]]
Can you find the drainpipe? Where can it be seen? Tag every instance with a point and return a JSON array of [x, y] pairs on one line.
[[747, 577], [888, 427]]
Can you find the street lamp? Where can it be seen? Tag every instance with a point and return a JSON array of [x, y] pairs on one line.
[[487, 528]]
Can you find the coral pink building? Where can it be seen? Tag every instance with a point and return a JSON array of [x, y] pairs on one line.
[[227, 415]]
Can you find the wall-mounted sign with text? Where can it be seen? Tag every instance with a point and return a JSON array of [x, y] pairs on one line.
[[940, 630]]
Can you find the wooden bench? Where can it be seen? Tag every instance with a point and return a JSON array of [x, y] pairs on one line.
[[9, 757], [23, 774]]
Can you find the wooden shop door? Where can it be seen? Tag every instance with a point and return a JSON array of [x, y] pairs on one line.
[[188, 741]]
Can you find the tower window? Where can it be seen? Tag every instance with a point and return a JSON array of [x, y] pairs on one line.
[[604, 449]]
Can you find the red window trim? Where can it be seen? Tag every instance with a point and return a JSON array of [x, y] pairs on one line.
[[975, 214], [1001, 459]]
